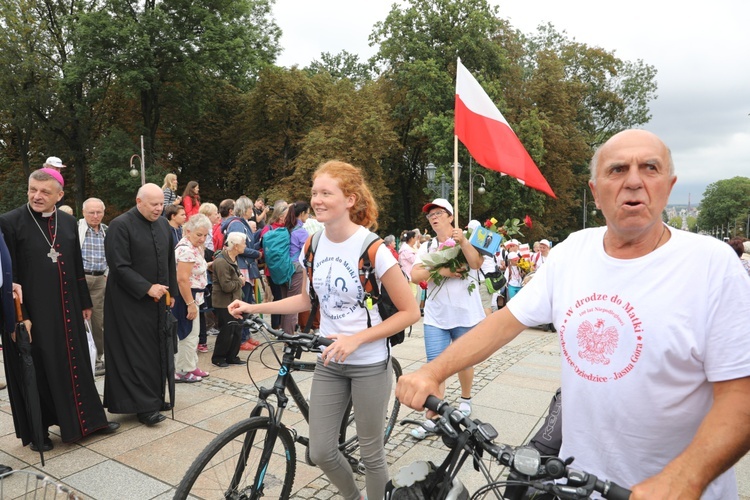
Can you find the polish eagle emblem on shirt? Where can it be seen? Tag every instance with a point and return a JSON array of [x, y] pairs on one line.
[[597, 341]]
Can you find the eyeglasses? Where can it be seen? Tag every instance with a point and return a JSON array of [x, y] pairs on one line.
[[435, 215]]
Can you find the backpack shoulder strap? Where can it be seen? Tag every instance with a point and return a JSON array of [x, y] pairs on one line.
[[367, 263], [308, 250]]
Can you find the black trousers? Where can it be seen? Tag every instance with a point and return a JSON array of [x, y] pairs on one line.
[[230, 336]]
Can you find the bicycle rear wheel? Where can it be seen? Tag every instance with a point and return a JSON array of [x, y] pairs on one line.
[[230, 466]]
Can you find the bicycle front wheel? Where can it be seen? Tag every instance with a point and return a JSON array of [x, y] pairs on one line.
[[233, 464]]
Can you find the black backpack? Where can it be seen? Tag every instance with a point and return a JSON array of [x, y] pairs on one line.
[[374, 293]]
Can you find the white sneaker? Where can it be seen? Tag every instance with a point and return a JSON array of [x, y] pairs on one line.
[[421, 432], [465, 408]]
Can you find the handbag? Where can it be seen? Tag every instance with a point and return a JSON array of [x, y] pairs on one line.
[[495, 281]]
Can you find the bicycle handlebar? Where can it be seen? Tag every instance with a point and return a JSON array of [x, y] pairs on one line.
[[308, 340], [521, 459]]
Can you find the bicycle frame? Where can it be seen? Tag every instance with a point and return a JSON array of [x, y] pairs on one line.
[[285, 382]]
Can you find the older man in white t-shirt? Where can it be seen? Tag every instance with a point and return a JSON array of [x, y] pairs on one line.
[[656, 381]]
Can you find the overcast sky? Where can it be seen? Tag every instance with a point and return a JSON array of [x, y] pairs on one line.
[[701, 51]]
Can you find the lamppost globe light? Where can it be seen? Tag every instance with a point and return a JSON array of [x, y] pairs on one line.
[[481, 190], [430, 170], [134, 172]]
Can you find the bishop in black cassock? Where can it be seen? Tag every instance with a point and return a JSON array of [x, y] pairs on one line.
[[47, 263]]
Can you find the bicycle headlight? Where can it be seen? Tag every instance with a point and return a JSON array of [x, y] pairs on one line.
[[527, 460]]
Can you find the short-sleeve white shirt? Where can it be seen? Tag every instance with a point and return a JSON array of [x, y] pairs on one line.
[[451, 305], [338, 286], [641, 341]]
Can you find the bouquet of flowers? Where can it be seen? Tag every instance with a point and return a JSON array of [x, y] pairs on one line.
[[447, 255], [524, 265], [510, 227]]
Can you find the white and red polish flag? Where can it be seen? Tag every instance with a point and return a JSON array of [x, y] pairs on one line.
[[487, 135]]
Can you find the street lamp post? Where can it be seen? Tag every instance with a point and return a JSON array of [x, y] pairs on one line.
[[133, 170], [480, 190], [431, 171]]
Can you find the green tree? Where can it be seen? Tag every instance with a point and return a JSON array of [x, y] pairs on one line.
[[579, 96], [675, 222], [724, 202], [561, 98], [51, 105], [418, 46], [172, 50], [294, 120], [343, 65], [692, 223]]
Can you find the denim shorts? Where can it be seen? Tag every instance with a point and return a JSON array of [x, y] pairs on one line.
[[436, 340]]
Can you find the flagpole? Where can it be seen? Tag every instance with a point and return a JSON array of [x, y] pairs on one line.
[[455, 181]]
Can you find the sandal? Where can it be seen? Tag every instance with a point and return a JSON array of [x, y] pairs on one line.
[[199, 373], [187, 378]]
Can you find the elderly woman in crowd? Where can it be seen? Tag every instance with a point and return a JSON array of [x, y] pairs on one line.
[[212, 212], [451, 309], [228, 282], [192, 280], [247, 260]]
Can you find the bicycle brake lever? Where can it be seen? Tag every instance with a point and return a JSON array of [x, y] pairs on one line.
[[447, 428]]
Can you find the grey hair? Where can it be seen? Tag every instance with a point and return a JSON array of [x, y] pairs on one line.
[[196, 222], [93, 199], [235, 238], [241, 205], [389, 239], [594, 163], [278, 211]]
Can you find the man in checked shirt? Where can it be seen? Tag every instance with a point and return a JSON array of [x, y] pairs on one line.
[[91, 233]]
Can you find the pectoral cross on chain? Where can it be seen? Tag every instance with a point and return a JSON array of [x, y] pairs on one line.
[[53, 254]]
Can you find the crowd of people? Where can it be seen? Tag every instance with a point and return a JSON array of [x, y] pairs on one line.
[[673, 370]]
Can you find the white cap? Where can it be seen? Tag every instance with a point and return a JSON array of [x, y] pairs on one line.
[[513, 255], [54, 161], [473, 224], [438, 202], [545, 242]]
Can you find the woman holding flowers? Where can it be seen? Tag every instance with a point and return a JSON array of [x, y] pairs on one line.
[[357, 365], [453, 306]]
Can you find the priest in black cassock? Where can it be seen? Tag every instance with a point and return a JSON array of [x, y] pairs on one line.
[[47, 263], [142, 269]]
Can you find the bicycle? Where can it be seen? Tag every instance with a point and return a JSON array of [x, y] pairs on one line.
[[256, 457], [471, 439], [31, 484]]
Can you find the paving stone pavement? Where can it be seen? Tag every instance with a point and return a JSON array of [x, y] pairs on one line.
[[512, 390]]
